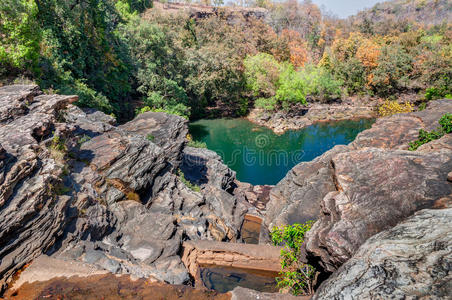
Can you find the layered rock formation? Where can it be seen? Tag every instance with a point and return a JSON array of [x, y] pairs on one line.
[[411, 260], [32, 213], [359, 190], [77, 187]]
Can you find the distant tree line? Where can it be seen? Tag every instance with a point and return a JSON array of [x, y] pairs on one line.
[[122, 57]]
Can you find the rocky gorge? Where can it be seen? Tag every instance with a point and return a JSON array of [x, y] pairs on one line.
[[80, 190]]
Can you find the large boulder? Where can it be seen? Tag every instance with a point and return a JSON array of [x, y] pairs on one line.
[[167, 131], [409, 261], [375, 190], [296, 198]]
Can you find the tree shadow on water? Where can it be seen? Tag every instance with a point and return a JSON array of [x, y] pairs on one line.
[[198, 131]]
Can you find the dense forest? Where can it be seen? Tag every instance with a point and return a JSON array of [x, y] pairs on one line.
[[129, 56]]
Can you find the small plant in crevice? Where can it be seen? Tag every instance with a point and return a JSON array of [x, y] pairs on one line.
[[425, 137], [196, 144], [133, 196], [150, 137], [422, 106], [193, 187], [58, 148], [60, 189], [83, 139], [295, 277]]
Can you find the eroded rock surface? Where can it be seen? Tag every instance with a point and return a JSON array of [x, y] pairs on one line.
[[32, 213], [79, 188], [376, 189], [241, 256], [136, 209], [409, 261]]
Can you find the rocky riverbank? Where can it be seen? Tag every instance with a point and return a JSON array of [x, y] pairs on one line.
[[78, 190], [367, 188], [303, 116]]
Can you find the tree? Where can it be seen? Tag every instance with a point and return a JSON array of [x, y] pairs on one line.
[[20, 35], [262, 73]]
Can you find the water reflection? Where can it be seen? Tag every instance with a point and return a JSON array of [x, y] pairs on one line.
[[223, 279]]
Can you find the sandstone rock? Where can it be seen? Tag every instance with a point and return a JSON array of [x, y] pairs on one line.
[[240, 293], [442, 144], [242, 256], [89, 122], [48, 277], [303, 116], [395, 132], [258, 196], [409, 261], [125, 209], [126, 164], [14, 101]]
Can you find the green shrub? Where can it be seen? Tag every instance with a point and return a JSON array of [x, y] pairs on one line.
[[20, 35], [193, 187], [425, 137], [196, 144], [321, 84], [295, 276], [150, 137], [435, 93], [266, 103], [446, 123], [262, 74], [292, 88], [178, 110]]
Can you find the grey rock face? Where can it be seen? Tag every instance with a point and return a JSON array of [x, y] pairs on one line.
[[203, 166], [296, 198], [125, 209], [167, 131], [32, 214], [136, 209], [409, 261], [375, 190]]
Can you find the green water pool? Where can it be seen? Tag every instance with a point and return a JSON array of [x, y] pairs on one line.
[[260, 156]]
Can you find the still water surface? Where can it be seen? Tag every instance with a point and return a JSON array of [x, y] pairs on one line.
[[259, 156]]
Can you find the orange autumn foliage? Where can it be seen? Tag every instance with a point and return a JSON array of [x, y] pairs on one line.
[[368, 53], [297, 47]]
